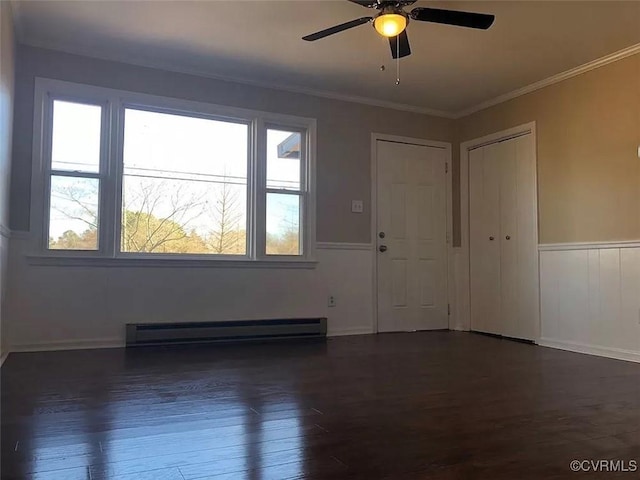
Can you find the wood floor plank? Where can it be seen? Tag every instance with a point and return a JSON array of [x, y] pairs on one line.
[[158, 474], [434, 405], [80, 473]]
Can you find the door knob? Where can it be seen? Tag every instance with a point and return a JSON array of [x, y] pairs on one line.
[[381, 235], [508, 237], [491, 238], [382, 248]]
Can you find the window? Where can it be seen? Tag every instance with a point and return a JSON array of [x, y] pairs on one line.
[[184, 186], [284, 192], [134, 176], [74, 176]]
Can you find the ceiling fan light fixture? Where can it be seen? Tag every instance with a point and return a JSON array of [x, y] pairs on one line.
[[390, 24]]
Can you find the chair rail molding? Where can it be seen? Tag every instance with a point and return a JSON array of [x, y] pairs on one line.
[[552, 247]]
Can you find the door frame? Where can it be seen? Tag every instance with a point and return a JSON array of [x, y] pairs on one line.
[[375, 137], [463, 274]]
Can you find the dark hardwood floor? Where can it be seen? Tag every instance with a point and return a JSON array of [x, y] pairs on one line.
[[436, 405]]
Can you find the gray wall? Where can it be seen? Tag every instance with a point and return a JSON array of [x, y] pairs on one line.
[[344, 129], [7, 46]]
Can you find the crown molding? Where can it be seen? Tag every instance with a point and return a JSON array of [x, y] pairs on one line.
[[574, 72]]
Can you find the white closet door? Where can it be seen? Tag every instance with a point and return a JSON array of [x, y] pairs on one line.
[[504, 271], [484, 208]]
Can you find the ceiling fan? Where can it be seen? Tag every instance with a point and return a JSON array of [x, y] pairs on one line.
[[392, 20]]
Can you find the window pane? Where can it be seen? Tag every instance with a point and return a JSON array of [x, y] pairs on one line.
[[73, 214], [283, 224], [283, 159], [76, 137], [185, 185]]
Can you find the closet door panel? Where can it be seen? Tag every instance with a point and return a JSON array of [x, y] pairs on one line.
[[478, 248], [506, 154], [484, 197], [527, 240]]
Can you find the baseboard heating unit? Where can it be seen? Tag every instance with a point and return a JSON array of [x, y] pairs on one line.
[[140, 334]]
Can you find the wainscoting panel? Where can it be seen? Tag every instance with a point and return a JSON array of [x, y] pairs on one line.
[[346, 272], [590, 299], [59, 307]]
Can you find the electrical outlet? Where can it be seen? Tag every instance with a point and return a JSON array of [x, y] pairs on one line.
[[357, 206], [331, 301]]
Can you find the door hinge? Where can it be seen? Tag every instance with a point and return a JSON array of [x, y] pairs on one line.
[[446, 167], [448, 309]]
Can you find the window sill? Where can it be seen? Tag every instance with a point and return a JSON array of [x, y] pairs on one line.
[[88, 261]]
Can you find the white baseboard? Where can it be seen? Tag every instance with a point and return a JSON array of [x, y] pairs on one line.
[[351, 331], [618, 354], [458, 328], [87, 344]]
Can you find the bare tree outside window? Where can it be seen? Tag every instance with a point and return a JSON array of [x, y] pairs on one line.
[[157, 215], [73, 213], [228, 236]]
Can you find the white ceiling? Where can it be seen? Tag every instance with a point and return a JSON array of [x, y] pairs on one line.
[[451, 69]]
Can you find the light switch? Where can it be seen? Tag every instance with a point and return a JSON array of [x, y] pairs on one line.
[[357, 206]]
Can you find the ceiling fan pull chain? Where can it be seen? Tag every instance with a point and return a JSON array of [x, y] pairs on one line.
[[398, 61]]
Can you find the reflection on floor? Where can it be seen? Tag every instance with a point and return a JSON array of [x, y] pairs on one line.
[[399, 406]]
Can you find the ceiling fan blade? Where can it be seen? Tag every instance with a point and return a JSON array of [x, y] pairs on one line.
[[366, 3], [377, 5], [337, 29], [453, 17], [400, 45]]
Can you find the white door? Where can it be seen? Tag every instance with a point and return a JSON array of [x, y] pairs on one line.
[[503, 238], [411, 237]]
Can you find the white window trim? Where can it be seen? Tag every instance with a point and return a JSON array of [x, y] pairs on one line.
[[107, 255]]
